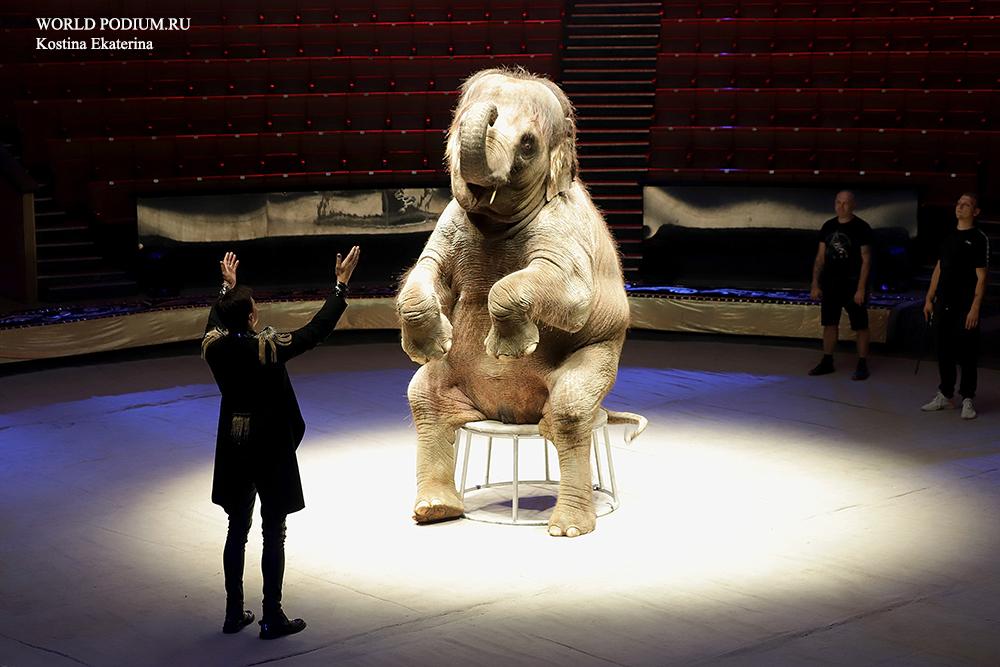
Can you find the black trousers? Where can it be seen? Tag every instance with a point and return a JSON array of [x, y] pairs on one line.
[[956, 346], [272, 562]]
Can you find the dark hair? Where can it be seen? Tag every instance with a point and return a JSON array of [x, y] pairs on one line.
[[234, 308], [971, 195]]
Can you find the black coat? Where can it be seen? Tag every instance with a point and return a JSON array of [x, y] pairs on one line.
[[260, 425]]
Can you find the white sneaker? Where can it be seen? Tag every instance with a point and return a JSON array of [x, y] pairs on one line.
[[968, 411], [939, 402]]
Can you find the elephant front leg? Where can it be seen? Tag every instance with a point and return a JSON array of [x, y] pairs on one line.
[[426, 332], [512, 333], [438, 410], [540, 292], [512, 337]]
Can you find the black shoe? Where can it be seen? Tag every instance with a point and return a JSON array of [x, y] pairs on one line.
[[237, 623], [822, 368], [281, 626], [861, 372]]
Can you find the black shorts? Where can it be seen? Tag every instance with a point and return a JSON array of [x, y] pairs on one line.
[[837, 297]]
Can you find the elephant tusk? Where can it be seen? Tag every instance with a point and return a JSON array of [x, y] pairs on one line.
[[494, 196]]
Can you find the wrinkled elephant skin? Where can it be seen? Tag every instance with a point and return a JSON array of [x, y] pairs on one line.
[[516, 308]]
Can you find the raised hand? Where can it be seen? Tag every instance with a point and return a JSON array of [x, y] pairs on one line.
[[346, 265], [228, 265]]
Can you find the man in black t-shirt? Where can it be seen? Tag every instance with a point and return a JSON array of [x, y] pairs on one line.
[[953, 300], [840, 280]]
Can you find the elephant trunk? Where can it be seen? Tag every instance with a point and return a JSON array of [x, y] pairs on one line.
[[474, 130]]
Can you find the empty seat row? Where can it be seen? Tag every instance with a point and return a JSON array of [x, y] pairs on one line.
[[827, 8], [106, 117], [75, 164], [202, 155], [898, 69], [215, 12], [868, 34], [696, 147], [255, 76], [471, 37], [829, 107], [794, 148]]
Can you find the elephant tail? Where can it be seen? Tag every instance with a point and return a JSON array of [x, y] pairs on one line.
[[638, 421]]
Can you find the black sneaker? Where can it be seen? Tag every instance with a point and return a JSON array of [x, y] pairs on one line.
[[280, 626], [236, 623], [861, 372], [822, 368]]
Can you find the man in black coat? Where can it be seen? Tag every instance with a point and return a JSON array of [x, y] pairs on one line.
[[260, 427]]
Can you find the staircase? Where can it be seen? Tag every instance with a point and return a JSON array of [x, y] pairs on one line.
[[609, 73], [70, 265]]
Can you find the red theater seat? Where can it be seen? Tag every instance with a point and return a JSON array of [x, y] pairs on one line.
[[349, 40], [283, 153], [364, 151], [327, 112], [280, 11], [414, 150], [325, 151], [156, 159], [753, 149], [248, 115]]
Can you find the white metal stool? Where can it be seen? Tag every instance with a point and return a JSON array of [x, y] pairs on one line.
[[490, 429]]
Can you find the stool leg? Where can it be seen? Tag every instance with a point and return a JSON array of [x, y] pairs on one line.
[[465, 463], [489, 456], [545, 444], [611, 465], [595, 445], [513, 505]]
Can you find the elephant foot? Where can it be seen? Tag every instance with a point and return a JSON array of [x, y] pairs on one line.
[[514, 340], [426, 343], [572, 521], [437, 503]]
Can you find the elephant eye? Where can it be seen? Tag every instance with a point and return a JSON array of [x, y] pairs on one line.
[[527, 144]]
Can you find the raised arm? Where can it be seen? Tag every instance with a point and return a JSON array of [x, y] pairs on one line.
[[281, 347], [227, 266]]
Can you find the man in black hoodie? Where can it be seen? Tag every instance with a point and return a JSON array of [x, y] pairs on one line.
[[260, 427]]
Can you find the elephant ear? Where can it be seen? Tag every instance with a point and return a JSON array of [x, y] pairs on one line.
[[562, 164]]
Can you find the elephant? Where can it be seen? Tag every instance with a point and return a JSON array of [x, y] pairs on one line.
[[516, 307]]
